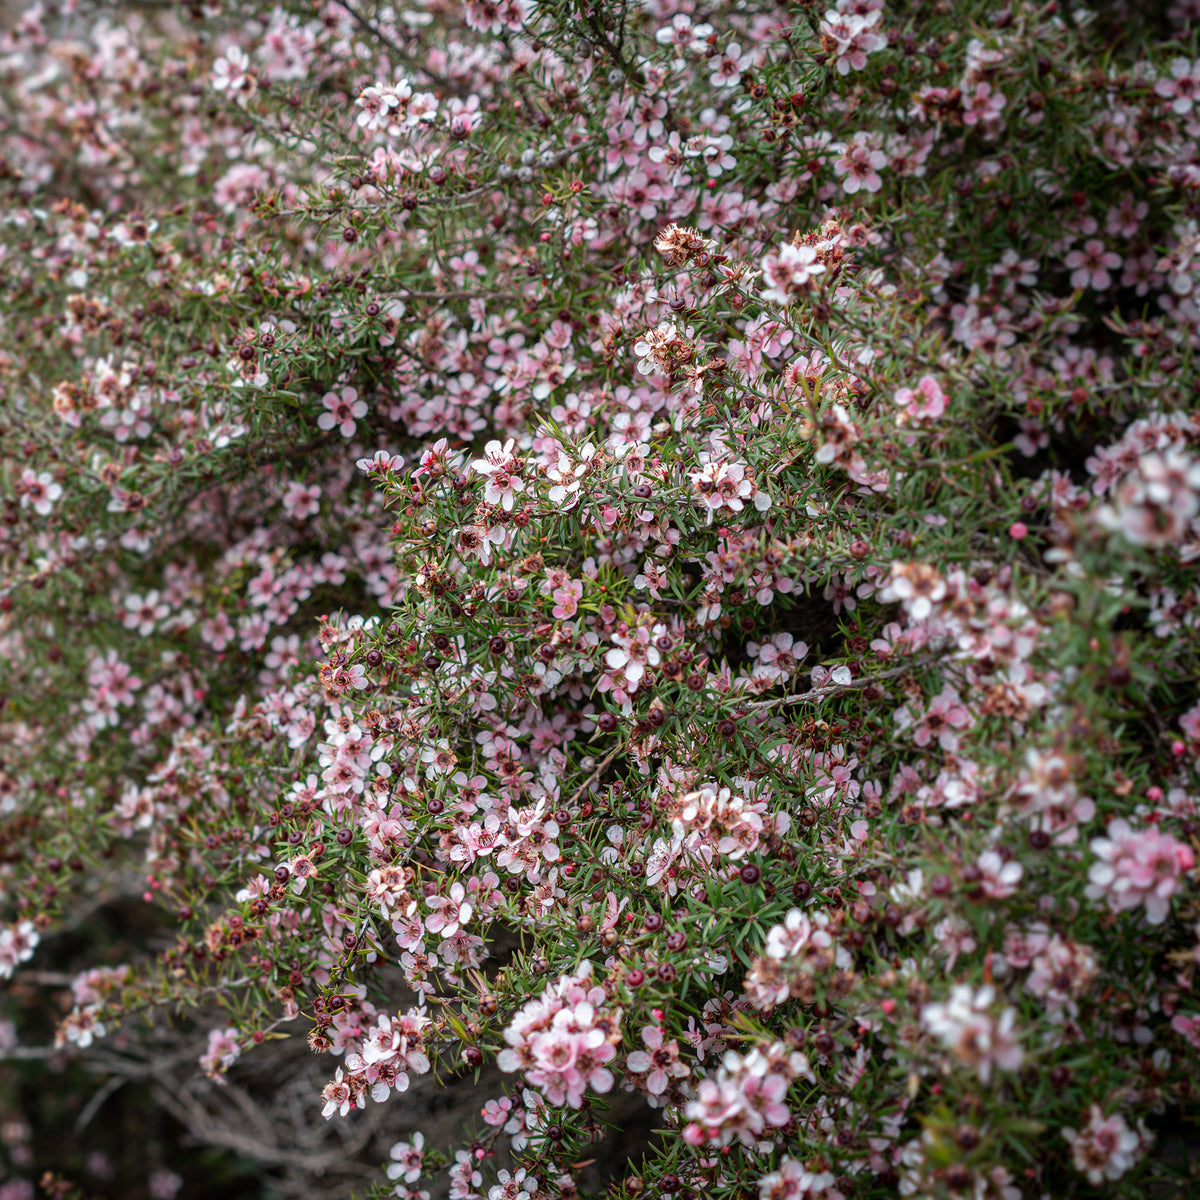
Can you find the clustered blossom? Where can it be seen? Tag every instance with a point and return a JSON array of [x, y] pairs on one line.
[[1156, 505], [1138, 868], [1106, 1147], [391, 1049], [424, 491], [680, 244], [563, 1040], [851, 35], [799, 956], [726, 485], [393, 108], [792, 1181], [723, 821], [746, 1098], [975, 1036]]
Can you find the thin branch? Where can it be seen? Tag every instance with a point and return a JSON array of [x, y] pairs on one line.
[[16, 1053], [405, 294], [48, 978], [94, 1104], [836, 688], [604, 763], [398, 51]]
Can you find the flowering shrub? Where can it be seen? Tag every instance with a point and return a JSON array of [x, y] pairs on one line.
[[651, 546]]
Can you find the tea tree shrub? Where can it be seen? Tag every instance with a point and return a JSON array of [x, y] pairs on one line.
[[650, 547]]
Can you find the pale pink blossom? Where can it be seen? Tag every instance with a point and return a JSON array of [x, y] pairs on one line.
[[343, 409], [973, 1035], [1138, 868], [39, 491], [1105, 1148]]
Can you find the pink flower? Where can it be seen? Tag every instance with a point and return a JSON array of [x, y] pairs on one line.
[[925, 402], [633, 653], [682, 33], [450, 913], [1187, 1024], [232, 71], [787, 271], [1138, 868], [659, 1062], [984, 107], [1090, 266], [144, 612], [999, 879], [40, 491], [945, 715], [408, 1159], [344, 408], [858, 168], [339, 1097], [1182, 86], [852, 36], [17, 944], [222, 1052], [302, 500], [381, 463], [778, 658]]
